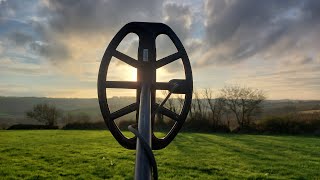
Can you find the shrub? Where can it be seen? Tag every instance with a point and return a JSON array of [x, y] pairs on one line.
[[123, 124], [197, 122], [31, 126], [3, 126], [85, 125], [290, 124]]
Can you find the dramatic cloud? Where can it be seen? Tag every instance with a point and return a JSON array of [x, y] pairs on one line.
[[100, 16], [57, 52], [58, 25], [81, 29], [272, 44], [239, 30], [179, 18]]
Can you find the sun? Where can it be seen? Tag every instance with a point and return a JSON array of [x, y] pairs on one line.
[[132, 74]]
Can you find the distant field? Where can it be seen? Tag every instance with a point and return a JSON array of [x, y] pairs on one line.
[[16, 107], [53, 154], [311, 111]]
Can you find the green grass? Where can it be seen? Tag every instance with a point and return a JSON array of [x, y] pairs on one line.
[[59, 154]]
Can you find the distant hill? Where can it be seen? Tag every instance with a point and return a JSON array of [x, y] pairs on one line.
[[17, 106], [12, 109], [275, 107]]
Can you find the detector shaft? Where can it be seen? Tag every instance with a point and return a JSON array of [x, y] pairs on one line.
[[142, 166]]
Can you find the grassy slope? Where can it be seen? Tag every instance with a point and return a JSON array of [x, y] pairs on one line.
[[95, 154]]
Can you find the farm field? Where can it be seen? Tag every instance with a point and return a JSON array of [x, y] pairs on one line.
[[68, 154]]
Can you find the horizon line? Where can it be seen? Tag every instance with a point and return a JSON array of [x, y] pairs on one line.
[[134, 97]]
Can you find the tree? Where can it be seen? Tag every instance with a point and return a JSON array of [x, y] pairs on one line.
[[197, 109], [198, 102], [44, 113], [243, 102], [170, 102], [180, 100], [216, 106]]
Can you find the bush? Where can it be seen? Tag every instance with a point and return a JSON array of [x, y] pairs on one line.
[[222, 128], [290, 124], [123, 124], [86, 125], [199, 123], [31, 126], [3, 126], [248, 129]]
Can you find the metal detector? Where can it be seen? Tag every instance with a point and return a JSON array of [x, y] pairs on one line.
[[145, 106]]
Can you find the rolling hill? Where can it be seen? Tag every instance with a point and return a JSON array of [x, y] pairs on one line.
[[12, 109]]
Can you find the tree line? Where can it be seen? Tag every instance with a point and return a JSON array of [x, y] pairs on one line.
[[218, 109], [243, 103], [233, 108]]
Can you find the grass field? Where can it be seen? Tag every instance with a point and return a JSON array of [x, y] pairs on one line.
[[59, 154]]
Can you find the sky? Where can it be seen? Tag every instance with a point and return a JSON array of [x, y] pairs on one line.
[[54, 48]]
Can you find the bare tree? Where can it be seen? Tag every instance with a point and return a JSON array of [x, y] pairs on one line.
[[197, 110], [216, 106], [243, 102], [159, 116], [198, 102], [44, 113], [170, 101], [193, 109], [180, 100]]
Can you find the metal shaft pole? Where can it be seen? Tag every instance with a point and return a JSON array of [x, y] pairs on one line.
[[142, 166]]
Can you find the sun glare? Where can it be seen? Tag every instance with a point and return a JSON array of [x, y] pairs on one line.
[[132, 74]]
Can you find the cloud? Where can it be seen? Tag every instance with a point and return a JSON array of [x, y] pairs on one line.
[[225, 19], [179, 18], [25, 42], [16, 10], [99, 17], [5, 10], [1, 48], [262, 43], [19, 38], [61, 31], [54, 51], [299, 80], [81, 29], [10, 66], [239, 30]]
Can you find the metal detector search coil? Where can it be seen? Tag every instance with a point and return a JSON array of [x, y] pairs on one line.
[[146, 73]]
